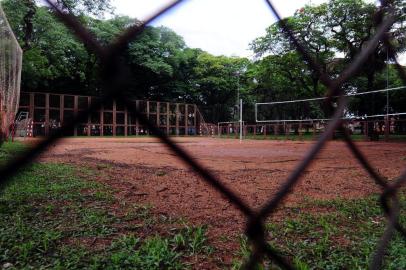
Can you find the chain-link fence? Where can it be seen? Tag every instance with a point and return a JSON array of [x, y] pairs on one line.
[[115, 73]]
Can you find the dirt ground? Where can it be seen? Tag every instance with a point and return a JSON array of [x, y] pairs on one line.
[[144, 171]]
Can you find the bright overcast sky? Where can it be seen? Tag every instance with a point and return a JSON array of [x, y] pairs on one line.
[[221, 27]]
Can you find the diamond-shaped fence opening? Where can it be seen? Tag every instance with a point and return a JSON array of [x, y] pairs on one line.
[[115, 73]]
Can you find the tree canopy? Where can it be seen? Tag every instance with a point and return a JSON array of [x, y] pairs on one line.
[[333, 33], [164, 68]]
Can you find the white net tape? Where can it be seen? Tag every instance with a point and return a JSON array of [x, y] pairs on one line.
[[10, 73], [389, 102]]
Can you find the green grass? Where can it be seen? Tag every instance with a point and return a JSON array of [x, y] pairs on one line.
[[9, 150], [52, 218], [336, 234]]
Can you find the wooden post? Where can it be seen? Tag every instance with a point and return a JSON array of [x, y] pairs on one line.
[[158, 118], [300, 131], [366, 130], [137, 126], [186, 120], [284, 129], [114, 118], [147, 115], [32, 106], [47, 114], [167, 118], [195, 118], [89, 117], [102, 120], [75, 113], [125, 121], [177, 119], [314, 131], [61, 108], [387, 128]]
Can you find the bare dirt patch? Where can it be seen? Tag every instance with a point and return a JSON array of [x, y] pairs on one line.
[[144, 171]]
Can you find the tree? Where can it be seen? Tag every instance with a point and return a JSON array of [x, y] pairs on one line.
[[310, 27], [217, 81], [339, 27]]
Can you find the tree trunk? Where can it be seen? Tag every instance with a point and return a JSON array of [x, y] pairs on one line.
[[28, 24]]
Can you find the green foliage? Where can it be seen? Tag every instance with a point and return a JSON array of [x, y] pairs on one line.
[[154, 253], [338, 27], [82, 7], [192, 240], [343, 235], [163, 68]]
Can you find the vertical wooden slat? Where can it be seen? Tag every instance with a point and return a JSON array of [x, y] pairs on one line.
[[157, 114], [89, 118], [102, 120], [186, 119], [32, 106], [167, 118], [47, 114], [300, 131], [386, 128], [125, 121], [366, 130], [114, 117], [137, 126], [75, 113], [314, 131], [177, 119], [195, 118], [147, 115], [61, 108]]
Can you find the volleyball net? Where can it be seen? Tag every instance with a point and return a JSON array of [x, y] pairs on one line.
[[373, 112]]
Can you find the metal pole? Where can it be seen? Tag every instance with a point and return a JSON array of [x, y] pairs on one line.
[[387, 83], [387, 98], [240, 120]]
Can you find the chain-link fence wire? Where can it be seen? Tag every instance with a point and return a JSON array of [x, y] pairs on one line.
[[115, 73]]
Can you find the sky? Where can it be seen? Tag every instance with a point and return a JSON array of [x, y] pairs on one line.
[[220, 27]]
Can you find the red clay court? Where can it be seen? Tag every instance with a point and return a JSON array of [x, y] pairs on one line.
[[144, 171]]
